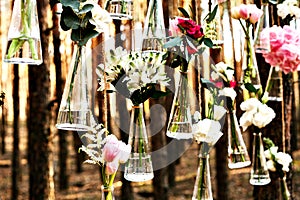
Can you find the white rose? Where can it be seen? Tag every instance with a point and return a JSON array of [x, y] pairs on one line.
[[284, 159], [264, 116], [246, 119], [228, 92], [100, 18], [207, 130], [219, 112], [250, 104]]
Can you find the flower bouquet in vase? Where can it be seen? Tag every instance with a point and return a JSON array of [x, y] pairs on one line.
[[248, 15], [257, 114], [183, 45], [135, 75], [108, 152], [278, 162], [237, 151]]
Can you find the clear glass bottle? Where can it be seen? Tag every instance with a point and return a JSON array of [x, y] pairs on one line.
[[262, 42], [250, 73], [259, 172], [237, 151], [284, 193], [275, 87], [120, 9], [75, 108], [202, 187], [107, 192], [24, 43], [139, 165], [154, 33], [180, 121]]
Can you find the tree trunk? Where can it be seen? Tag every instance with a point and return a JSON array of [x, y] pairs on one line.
[[63, 145], [38, 116], [159, 154], [16, 169]]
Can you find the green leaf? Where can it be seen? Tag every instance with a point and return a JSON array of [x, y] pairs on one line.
[[208, 42], [173, 42], [88, 35], [74, 4], [212, 15], [86, 8], [184, 12], [69, 19], [250, 87]]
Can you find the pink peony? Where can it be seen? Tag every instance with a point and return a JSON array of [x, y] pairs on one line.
[[285, 48]]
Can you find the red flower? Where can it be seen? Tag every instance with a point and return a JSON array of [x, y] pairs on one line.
[[232, 83], [192, 29]]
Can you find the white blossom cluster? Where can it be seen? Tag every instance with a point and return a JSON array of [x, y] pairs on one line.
[[138, 69], [288, 7], [276, 157], [256, 113]]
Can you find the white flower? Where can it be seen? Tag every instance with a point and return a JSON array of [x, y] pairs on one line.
[[207, 130], [288, 7], [214, 75], [264, 116], [271, 165], [221, 67], [100, 17], [272, 151], [225, 70], [228, 92], [219, 112], [256, 113], [284, 159]]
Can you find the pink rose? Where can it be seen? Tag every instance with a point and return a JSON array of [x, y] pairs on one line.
[[111, 148], [192, 29], [174, 29]]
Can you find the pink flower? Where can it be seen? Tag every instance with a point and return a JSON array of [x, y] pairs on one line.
[[111, 148], [244, 11], [192, 29], [174, 29], [255, 14], [111, 167]]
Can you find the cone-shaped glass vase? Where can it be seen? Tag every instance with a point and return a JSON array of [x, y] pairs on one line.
[[75, 108], [107, 192], [202, 187], [237, 151], [275, 87], [120, 9], [24, 43], [154, 34], [262, 42], [250, 73], [259, 172], [139, 165], [180, 122], [284, 193]]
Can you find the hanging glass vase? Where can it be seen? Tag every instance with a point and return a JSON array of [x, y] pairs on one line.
[[284, 193], [154, 34], [250, 73], [259, 172], [24, 43], [107, 192], [139, 165], [213, 29], [180, 121], [237, 151], [202, 187], [262, 42], [75, 108], [274, 87], [119, 9]]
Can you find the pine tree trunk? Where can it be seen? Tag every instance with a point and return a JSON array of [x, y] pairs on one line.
[[38, 116], [63, 145], [16, 169]]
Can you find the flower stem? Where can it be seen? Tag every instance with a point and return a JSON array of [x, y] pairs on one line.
[[76, 63]]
